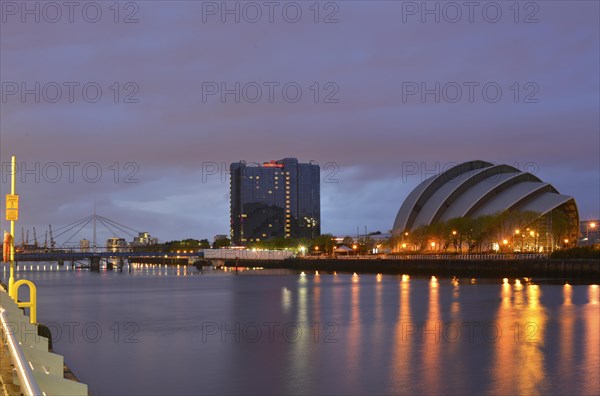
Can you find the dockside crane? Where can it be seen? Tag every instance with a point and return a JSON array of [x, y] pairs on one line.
[[52, 243], [35, 242], [46, 240]]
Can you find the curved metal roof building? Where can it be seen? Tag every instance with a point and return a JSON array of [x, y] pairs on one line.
[[478, 188]]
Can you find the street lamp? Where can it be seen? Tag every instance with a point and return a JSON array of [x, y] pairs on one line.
[[591, 225], [454, 233]]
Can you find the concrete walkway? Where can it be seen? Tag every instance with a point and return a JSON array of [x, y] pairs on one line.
[[6, 374]]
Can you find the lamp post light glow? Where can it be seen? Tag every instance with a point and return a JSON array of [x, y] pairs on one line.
[[591, 225]]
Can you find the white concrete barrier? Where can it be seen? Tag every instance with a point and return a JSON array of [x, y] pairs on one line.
[[37, 371]]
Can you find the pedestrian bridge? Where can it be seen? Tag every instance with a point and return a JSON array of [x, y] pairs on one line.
[[66, 255]]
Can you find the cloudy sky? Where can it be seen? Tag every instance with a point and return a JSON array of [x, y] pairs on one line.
[[141, 107]]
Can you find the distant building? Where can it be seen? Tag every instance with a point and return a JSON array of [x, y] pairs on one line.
[[589, 231], [116, 245], [144, 239], [275, 199], [84, 245]]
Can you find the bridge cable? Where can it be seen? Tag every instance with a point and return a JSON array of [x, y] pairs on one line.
[[107, 227], [70, 224], [119, 224], [73, 225], [76, 232]]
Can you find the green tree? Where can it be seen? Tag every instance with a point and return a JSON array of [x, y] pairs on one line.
[[221, 243], [204, 244], [324, 242]]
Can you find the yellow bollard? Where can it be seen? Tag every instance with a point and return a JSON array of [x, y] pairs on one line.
[[31, 304]]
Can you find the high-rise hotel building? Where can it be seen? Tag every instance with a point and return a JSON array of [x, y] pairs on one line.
[[275, 199]]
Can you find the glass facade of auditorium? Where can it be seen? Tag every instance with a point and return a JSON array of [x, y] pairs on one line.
[[275, 199]]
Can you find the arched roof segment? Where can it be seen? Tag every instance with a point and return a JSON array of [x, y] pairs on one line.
[[478, 188], [412, 205]]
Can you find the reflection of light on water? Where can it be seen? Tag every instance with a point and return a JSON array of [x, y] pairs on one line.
[[430, 337], [592, 342], [566, 324], [317, 278], [378, 337], [401, 372], [523, 322], [533, 323], [300, 359], [505, 294], [455, 308], [354, 335], [302, 278], [317, 304], [434, 282], [593, 292], [567, 293], [286, 298], [302, 305]]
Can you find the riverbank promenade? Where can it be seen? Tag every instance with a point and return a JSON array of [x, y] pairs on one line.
[[8, 388], [488, 266]]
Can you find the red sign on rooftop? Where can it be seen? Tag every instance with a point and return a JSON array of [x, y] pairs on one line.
[[272, 164]]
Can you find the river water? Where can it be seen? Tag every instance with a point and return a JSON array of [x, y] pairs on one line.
[[160, 331]]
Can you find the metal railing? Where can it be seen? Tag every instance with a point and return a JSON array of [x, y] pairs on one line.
[[504, 256], [29, 386]]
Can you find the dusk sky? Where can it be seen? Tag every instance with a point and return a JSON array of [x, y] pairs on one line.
[[528, 76]]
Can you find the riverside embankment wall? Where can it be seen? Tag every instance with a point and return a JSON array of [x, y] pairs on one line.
[[585, 269]]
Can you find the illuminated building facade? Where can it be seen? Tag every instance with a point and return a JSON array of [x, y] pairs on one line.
[[479, 188], [274, 199]]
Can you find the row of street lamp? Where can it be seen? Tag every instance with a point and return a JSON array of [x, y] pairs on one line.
[[505, 242]]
